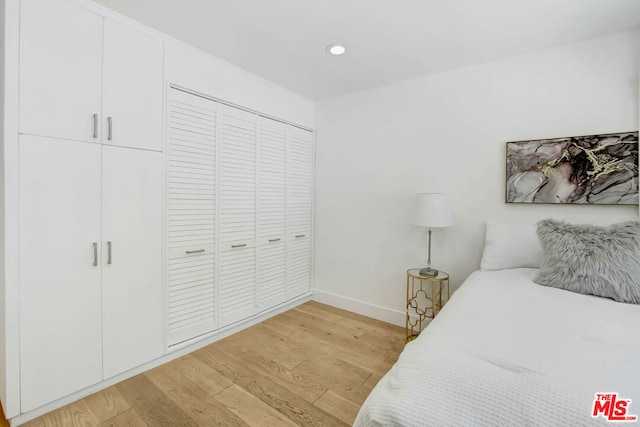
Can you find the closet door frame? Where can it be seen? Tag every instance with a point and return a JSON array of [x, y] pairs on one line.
[[219, 246]]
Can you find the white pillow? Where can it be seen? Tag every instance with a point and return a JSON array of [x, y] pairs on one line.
[[511, 246]]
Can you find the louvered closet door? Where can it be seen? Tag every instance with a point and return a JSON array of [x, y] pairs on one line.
[[237, 214], [191, 297], [272, 197], [299, 209]]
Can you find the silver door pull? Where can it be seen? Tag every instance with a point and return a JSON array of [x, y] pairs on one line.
[[300, 235], [195, 252], [274, 240], [109, 252], [95, 125], [239, 246], [110, 128], [95, 254]]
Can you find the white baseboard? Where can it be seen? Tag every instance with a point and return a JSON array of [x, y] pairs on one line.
[[172, 353], [395, 317]]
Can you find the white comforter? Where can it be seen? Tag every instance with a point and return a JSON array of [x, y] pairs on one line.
[[506, 351]]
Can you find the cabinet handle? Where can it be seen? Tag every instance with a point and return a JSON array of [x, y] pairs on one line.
[[239, 246], [195, 252], [95, 125], [110, 128], [109, 252], [274, 240], [95, 254], [300, 235]]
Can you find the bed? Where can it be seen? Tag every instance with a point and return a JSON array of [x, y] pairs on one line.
[[508, 351]]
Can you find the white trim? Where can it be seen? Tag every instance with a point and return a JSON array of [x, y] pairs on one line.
[[10, 162], [384, 314], [236, 106], [173, 353]]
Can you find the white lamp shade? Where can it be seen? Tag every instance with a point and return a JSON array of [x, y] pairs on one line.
[[432, 210]]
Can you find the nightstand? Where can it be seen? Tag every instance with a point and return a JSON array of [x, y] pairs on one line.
[[425, 298]]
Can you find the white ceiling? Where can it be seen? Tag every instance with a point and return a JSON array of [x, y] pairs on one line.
[[388, 41]]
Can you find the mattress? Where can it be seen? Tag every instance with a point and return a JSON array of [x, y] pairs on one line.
[[506, 351]]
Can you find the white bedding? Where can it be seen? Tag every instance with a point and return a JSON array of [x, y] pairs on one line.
[[506, 351]]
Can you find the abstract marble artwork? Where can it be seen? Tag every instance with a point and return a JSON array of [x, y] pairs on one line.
[[593, 169]]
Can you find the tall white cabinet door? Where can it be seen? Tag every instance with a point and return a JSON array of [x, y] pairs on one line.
[[132, 91], [132, 258], [299, 209], [191, 232], [60, 69], [272, 203], [60, 325], [237, 139]]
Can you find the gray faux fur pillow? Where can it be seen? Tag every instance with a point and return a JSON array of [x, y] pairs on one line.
[[601, 261]]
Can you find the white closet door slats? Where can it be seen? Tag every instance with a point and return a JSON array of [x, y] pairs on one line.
[[272, 207], [299, 210], [237, 289], [191, 216], [272, 264], [237, 175], [272, 175], [299, 180], [239, 214], [237, 284], [299, 266]]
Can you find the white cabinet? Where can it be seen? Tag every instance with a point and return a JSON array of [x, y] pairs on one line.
[[90, 264], [132, 90], [237, 139], [272, 204], [132, 309], [60, 69], [87, 78], [191, 216], [60, 318]]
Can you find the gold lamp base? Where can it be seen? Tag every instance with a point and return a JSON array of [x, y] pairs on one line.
[[428, 272]]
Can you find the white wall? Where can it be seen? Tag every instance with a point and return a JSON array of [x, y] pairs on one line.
[[9, 291], [3, 322], [447, 132], [193, 69]]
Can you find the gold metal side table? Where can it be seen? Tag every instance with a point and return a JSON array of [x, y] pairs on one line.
[[425, 298]]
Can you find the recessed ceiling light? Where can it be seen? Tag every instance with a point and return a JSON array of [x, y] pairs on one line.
[[336, 49]]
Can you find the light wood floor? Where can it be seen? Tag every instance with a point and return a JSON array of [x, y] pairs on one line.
[[312, 365]]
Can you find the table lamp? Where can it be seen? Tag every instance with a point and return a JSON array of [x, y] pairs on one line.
[[431, 210]]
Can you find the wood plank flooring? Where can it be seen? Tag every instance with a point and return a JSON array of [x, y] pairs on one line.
[[311, 366]]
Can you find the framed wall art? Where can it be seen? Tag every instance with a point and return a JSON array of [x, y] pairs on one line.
[[592, 169]]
